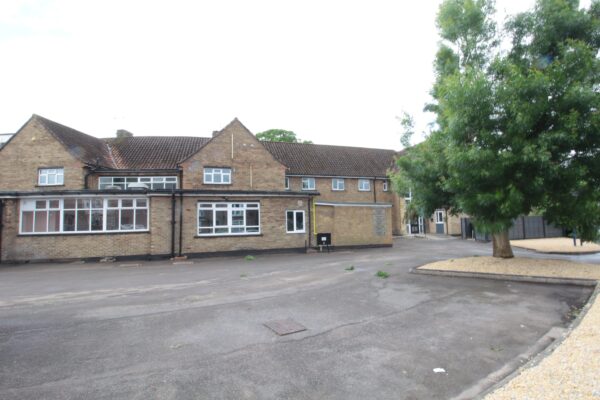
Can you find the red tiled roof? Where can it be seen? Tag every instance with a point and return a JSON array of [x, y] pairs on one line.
[[166, 152], [325, 160]]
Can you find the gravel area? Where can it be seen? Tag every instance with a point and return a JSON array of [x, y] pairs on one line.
[[519, 266], [556, 245], [571, 370]]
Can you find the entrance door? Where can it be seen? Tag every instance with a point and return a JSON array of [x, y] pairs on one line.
[[439, 222]]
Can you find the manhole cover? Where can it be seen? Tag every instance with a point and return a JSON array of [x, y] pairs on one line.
[[284, 326]]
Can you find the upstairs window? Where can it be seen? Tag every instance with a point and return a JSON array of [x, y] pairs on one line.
[[217, 176], [51, 176], [385, 186], [123, 182], [364, 185], [337, 184], [308, 183], [287, 183]]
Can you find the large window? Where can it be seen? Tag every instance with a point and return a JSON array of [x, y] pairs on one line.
[[308, 183], [76, 215], [294, 221], [337, 184], [51, 176], [124, 182], [364, 185], [228, 219], [217, 176]]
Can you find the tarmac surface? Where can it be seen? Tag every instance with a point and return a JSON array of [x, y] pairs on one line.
[[195, 330]]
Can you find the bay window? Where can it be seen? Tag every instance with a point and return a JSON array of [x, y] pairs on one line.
[[228, 219], [77, 215]]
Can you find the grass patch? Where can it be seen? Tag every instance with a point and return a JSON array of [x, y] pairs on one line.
[[249, 258], [243, 275], [382, 274], [350, 268]]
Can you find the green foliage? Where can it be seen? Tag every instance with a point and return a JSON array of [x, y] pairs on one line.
[[516, 131], [382, 274], [280, 135], [249, 258], [350, 268], [408, 126]]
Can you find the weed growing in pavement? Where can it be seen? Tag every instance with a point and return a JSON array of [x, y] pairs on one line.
[[382, 274], [350, 268], [249, 258]]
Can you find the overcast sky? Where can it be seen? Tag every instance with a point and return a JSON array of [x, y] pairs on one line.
[[335, 72]]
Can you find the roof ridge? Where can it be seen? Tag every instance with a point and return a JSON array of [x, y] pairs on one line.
[[329, 145]]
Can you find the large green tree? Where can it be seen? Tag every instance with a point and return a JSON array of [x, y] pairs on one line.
[[280, 135], [516, 130]]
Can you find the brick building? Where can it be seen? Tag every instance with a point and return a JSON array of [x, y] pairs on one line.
[[68, 195]]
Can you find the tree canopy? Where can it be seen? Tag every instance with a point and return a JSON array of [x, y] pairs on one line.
[[280, 135], [517, 130]]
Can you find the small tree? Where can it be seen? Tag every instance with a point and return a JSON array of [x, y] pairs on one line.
[[280, 135]]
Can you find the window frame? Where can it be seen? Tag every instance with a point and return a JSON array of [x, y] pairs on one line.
[[295, 212], [124, 185], [368, 181], [309, 179], [338, 180], [287, 183], [44, 172], [210, 171], [84, 206], [229, 208], [439, 216], [385, 186]]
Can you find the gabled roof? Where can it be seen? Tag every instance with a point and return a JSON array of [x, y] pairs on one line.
[[325, 160], [86, 148], [153, 152], [167, 152]]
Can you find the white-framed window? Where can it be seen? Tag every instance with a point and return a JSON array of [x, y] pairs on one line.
[[51, 176], [294, 221], [123, 182], [364, 185], [385, 186], [337, 184], [217, 176], [439, 216], [220, 219], [81, 214], [287, 183], [308, 183]]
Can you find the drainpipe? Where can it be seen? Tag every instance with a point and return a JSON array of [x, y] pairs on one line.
[[173, 224], [310, 200], [374, 189], [180, 221], [1, 222]]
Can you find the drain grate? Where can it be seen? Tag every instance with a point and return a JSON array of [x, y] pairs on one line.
[[284, 326]]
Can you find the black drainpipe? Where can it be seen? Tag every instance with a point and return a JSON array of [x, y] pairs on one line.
[[173, 224], [180, 221], [310, 200]]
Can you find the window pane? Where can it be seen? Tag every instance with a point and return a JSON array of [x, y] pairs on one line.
[[54, 204], [252, 218], [60, 178], [118, 180], [221, 218], [221, 230], [216, 178], [41, 221], [126, 203], [27, 221], [40, 204], [141, 219], [112, 220], [69, 203], [127, 220], [290, 221], [43, 180], [141, 203], [113, 203], [51, 179], [205, 231], [237, 217], [69, 221], [97, 218], [205, 218], [170, 185], [252, 229], [227, 177], [54, 221], [83, 220], [299, 221], [83, 203], [206, 205], [97, 203]]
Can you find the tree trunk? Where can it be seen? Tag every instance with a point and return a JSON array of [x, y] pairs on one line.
[[501, 245]]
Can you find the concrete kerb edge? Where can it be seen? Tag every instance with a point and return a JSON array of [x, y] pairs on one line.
[[547, 351], [562, 253], [502, 277], [524, 278]]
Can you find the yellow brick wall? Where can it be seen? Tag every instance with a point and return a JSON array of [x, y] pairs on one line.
[[253, 167], [272, 223], [34, 148]]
